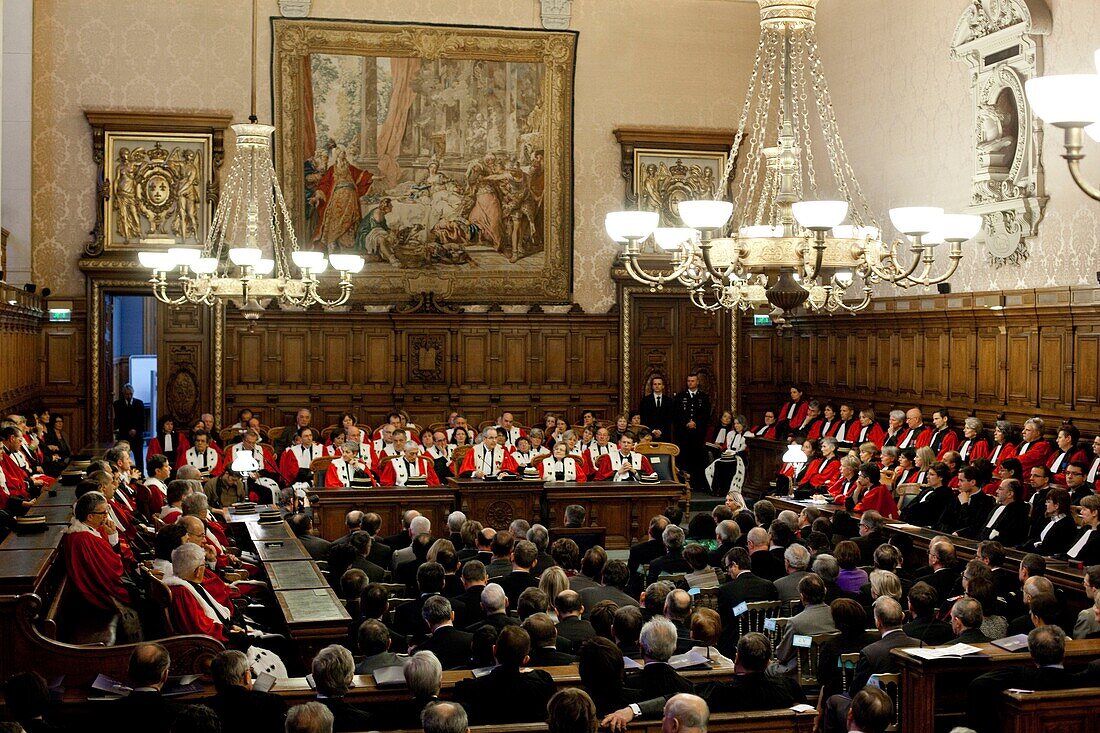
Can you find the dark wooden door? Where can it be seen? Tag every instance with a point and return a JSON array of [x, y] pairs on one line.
[[184, 358]]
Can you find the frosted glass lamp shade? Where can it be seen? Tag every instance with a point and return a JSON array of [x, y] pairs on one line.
[[264, 267], [844, 278], [186, 256], [205, 265], [960, 227], [631, 224], [245, 256], [244, 462], [705, 214], [794, 454], [819, 215], [1065, 100], [916, 220], [308, 259], [611, 226], [157, 261], [671, 238], [1093, 131], [346, 263]]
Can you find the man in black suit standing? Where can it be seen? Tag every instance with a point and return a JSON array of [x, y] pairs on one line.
[[1047, 645], [450, 646], [874, 659], [743, 587], [691, 415], [130, 423], [238, 706], [656, 410], [145, 709], [467, 605]]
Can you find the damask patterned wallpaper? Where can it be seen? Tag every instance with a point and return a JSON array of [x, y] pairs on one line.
[[903, 105], [639, 62]]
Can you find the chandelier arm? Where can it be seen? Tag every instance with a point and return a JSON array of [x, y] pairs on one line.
[[160, 291], [841, 305], [955, 257], [640, 274], [315, 297], [1074, 144]]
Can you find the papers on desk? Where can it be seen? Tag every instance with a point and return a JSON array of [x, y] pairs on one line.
[[802, 708], [113, 689], [907, 527], [942, 652], [390, 676], [629, 663], [689, 660], [1017, 643]]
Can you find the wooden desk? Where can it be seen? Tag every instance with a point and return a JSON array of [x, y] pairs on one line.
[[315, 618], [280, 550], [762, 465], [496, 503], [1069, 710], [48, 540], [54, 514], [66, 496], [257, 531], [294, 575], [624, 508], [388, 502], [940, 686], [21, 572]]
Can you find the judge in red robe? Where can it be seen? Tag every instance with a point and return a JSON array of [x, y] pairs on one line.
[[92, 561], [873, 495], [769, 429], [866, 431], [562, 467], [487, 459], [793, 412], [846, 482], [398, 471], [623, 464], [201, 455], [975, 445], [1033, 450], [194, 609], [914, 428], [1004, 445], [346, 467], [167, 441], [249, 443], [294, 464]]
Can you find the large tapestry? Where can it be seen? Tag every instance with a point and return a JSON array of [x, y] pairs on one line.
[[442, 154]]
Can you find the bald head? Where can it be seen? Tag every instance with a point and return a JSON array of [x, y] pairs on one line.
[[758, 538], [189, 472], [685, 713]]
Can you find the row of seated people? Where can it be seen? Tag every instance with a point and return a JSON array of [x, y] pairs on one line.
[[552, 614]]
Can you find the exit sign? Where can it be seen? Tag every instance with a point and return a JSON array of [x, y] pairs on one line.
[[761, 320]]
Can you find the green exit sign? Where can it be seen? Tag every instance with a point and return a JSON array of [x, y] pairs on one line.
[[61, 315], [761, 320]]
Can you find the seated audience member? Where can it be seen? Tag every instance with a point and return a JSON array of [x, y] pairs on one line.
[[27, 702], [613, 582], [592, 567], [895, 429], [507, 694], [571, 625], [332, 670], [701, 574], [846, 482], [374, 643], [494, 604], [424, 678], [814, 618], [925, 508], [765, 564], [924, 626], [873, 659], [866, 430], [167, 441], [1065, 452], [852, 577], [752, 688], [870, 535], [794, 411], [1033, 450], [851, 621], [1047, 645], [544, 641], [1086, 545], [92, 560], [522, 576], [501, 564], [626, 630], [941, 438], [1059, 532], [194, 610], [672, 562], [914, 429], [532, 601], [488, 458], [871, 711], [966, 622], [1075, 483], [448, 644], [965, 513], [237, 705], [310, 717], [348, 466], [796, 561], [743, 586], [201, 455], [302, 526], [677, 609], [571, 711], [769, 429], [657, 678], [562, 466], [1008, 521], [706, 628], [145, 710]]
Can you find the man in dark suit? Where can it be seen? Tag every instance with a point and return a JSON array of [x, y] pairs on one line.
[[507, 695], [1005, 582], [522, 576], [540, 537], [926, 508], [744, 586], [145, 710], [450, 646], [656, 410], [302, 525], [423, 677], [361, 542], [944, 569], [402, 539], [672, 562], [544, 642], [374, 642], [966, 622], [130, 423], [764, 563], [570, 624], [870, 535], [1047, 645], [333, 669], [495, 606], [752, 688], [467, 605], [615, 577], [657, 677], [1008, 522], [237, 705], [967, 512], [381, 554], [678, 611], [726, 532], [873, 659], [501, 564], [1058, 531], [407, 617], [924, 626], [645, 552], [691, 415]]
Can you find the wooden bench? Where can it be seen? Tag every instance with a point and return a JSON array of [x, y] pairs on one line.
[[759, 721], [1068, 710]]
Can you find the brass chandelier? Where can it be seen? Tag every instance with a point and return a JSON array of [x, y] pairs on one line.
[[789, 235]]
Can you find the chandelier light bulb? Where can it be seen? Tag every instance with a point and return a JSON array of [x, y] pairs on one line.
[[346, 263], [671, 238], [185, 256], [844, 278], [245, 256], [205, 265], [1065, 100], [308, 259], [916, 220], [611, 226], [264, 267], [705, 214], [819, 215]]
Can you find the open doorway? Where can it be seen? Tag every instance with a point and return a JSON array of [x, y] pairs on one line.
[[130, 351]]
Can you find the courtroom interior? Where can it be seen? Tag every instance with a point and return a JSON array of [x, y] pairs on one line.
[[550, 365]]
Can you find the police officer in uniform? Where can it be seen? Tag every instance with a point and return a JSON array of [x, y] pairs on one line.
[[692, 411]]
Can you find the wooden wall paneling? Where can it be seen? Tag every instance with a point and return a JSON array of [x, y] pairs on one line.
[[554, 348], [473, 358], [1021, 382], [293, 356], [909, 362], [517, 360], [961, 364], [378, 357], [1086, 374], [184, 376], [761, 361], [332, 359], [863, 356], [932, 366], [991, 364]]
